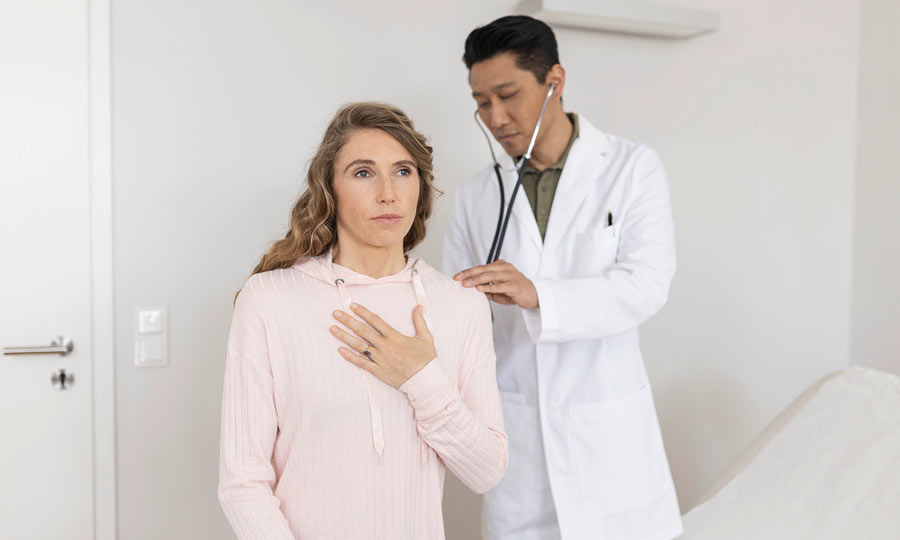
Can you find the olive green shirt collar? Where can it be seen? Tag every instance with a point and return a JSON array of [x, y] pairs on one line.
[[562, 159]]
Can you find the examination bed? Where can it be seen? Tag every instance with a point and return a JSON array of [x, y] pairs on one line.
[[827, 468]]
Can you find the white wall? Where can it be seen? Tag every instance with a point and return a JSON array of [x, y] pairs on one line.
[[217, 107], [876, 248]]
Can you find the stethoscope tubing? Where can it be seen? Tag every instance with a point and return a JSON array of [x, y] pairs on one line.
[[506, 210]]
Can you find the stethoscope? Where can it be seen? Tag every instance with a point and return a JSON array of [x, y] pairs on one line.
[[506, 211]]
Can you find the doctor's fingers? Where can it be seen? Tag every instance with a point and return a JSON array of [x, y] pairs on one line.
[[506, 287], [488, 276], [477, 270]]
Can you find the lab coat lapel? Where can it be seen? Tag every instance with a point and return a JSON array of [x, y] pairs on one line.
[[586, 162], [523, 217]]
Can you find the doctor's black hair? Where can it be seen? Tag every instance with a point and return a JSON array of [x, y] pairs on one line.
[[530, 40]]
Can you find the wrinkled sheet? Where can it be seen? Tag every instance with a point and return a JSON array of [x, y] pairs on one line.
[[833, 472]]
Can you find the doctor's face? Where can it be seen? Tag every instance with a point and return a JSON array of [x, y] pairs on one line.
[[376, 183], [509, 101]]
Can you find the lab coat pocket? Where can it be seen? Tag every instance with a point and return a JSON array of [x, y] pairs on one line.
[[619, 452], [593, 251], [514, 501]]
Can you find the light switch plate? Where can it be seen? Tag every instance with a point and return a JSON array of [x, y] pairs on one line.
[[150, 336], [150, 321]]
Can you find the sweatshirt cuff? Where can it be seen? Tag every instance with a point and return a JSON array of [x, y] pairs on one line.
[[429, 391]]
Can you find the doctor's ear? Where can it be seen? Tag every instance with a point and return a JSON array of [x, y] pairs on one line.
[[557, 77]]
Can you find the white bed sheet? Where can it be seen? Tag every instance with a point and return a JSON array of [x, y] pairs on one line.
[[831, 472]]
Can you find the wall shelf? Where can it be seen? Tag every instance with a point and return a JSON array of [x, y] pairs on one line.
[[637, 17]]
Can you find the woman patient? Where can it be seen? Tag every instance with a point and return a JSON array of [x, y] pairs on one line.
[[355, 373]]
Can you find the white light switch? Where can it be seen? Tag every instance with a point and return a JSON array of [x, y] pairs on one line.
[[150, 351], [150, 337], [150, 321]]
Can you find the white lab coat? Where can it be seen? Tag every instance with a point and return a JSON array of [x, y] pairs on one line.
[[583, 433]]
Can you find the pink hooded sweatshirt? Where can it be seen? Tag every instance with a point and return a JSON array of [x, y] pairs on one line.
[[316, 448]]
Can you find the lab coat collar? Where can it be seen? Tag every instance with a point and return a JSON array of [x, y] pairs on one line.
[[590, 139], [587, 158]]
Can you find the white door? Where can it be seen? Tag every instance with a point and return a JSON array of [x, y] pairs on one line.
[[46, 438]]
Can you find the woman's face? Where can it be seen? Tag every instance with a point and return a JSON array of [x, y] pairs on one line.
[[376, 183]]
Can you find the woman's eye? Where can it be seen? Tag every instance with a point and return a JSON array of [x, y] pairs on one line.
[[404, 172], [482, 105], [509, 96], [362, 173]]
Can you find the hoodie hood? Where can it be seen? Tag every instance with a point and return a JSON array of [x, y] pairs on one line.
[[323, 268]]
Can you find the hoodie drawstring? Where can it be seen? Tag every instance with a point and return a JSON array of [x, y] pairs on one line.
[[374, 409], [420, 295]]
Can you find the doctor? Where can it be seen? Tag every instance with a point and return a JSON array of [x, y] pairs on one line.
[[588, 257]]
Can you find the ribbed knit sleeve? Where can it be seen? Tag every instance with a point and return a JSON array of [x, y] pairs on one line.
[[464, 423], [249, 427]]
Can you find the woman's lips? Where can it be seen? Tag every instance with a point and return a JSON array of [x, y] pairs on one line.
[[387, 219]]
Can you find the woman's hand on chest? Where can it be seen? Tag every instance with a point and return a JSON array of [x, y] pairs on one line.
[[380, 349]]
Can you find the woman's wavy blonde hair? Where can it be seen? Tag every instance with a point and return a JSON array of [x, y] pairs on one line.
[[313, 228]]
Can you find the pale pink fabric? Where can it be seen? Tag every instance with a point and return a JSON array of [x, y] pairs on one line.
[[314, 447]]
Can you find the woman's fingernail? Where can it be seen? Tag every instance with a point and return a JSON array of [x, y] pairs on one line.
[[334, 329]]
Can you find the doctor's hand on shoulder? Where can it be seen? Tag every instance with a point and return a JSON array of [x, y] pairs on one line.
[[502, 283]]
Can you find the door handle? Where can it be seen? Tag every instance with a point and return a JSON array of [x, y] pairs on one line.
[[61, 346]]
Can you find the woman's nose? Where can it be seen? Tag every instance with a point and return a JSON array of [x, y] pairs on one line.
[[386, 192]]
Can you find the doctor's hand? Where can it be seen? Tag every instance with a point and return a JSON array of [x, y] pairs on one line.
[[381, 350], [502, 283]]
